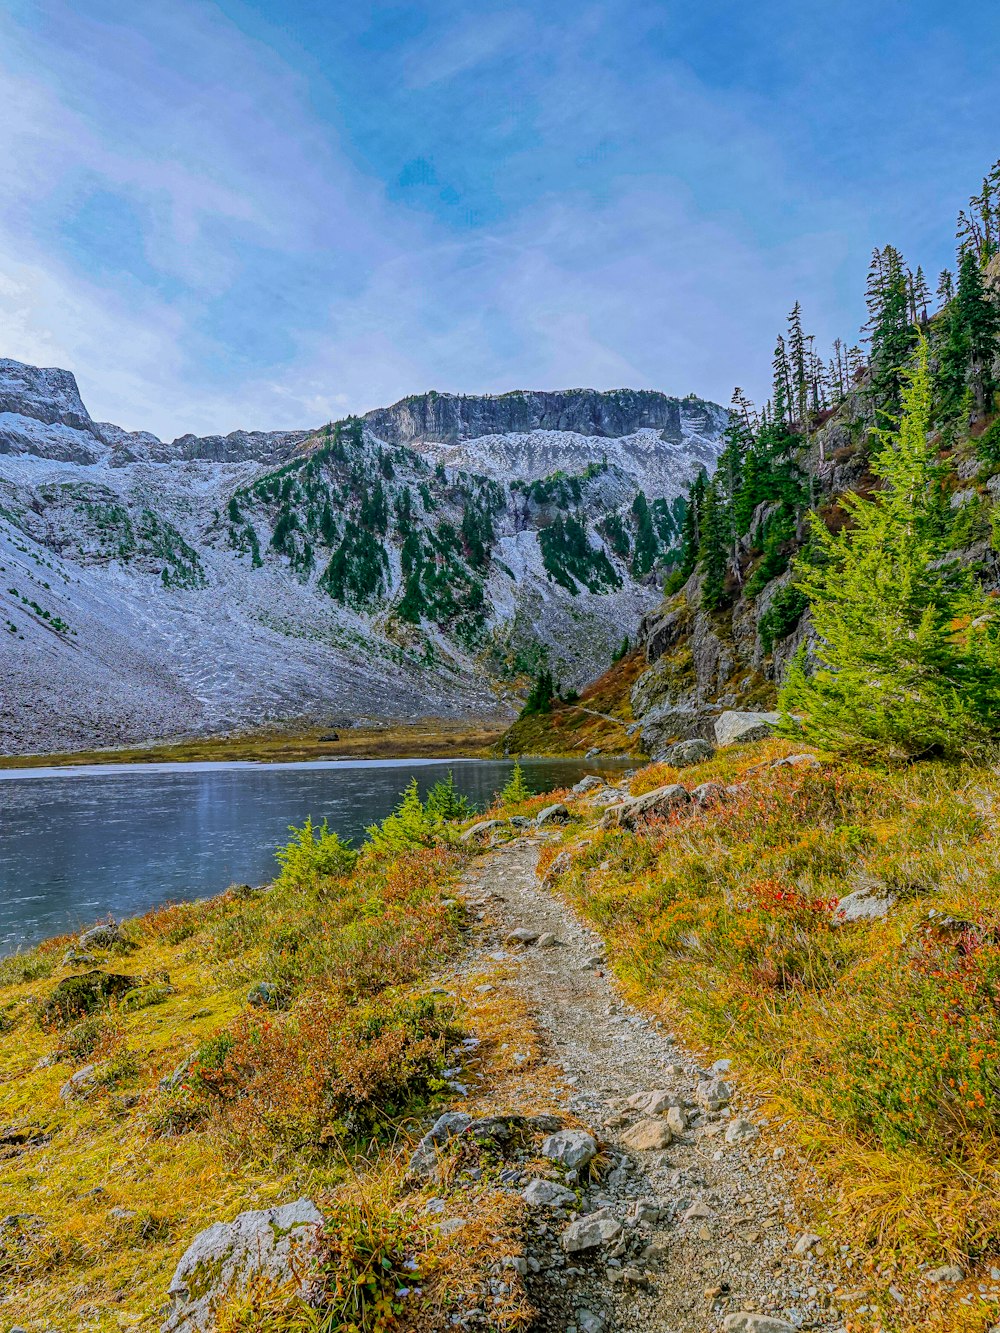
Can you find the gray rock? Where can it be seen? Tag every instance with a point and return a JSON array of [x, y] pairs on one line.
[[590, 783], [686, 753], [552, 814], [733, 728], [708, 793], [101, 937], [804, 1244], [478, 830], [522, 935], [653, 804], [572, 1147], [748, 1321], [548, 940], [713, 1094], [424, 1159], [863, 905], [547, 1194], [226, 1255], [588, 1322], [741, 1130], [648, 1136], [797, 761], [78, 1084], [656, 1102], [591, 1231], [949, 1273]]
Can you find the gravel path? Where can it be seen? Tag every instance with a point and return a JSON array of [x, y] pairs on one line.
[[708, 1227]]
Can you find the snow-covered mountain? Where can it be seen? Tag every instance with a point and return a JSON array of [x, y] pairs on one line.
[[400, 565]]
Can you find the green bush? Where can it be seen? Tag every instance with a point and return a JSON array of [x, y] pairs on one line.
[[313, 851]]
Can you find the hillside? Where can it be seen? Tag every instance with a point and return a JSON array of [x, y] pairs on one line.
[[209, 585]]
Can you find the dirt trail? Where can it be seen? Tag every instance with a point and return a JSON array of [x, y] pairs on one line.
[[716, 1227]]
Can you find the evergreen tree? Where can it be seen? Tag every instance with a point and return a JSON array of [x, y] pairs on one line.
[[946, 286], [645, 549], [714, 548], [968, 346], [908, 644], [691, 530], [541, 694], [889, 327]]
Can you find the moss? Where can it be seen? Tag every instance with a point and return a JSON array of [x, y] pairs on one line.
[[75, 996]]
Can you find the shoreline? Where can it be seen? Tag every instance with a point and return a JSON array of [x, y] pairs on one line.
[[429, 738]]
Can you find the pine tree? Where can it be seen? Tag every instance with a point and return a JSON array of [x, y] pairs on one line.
[[797, 364], [646, 548], [691, 530], [891, 332], [970, 331], [714, 548], [908, 645], [946, 286]]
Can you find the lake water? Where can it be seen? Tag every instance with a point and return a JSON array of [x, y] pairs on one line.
[[77, 844]]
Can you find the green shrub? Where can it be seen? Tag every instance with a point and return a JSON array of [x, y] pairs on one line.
[[313, 852]]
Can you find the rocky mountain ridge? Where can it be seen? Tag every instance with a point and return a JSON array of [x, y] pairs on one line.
[[213, 584]]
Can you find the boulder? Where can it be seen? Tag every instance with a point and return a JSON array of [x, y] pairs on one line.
[[547, 1194], [862, 905], [552, 814], [686, 753], [648, 1136], [590, 783], [572, 1147], [479, 830], [587, 1233], [707, 794], [265, 1243], [654, 804], [733, 728]]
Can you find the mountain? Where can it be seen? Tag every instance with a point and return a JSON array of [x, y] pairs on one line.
[[409, 563]]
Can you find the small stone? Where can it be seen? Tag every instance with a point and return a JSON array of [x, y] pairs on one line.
[[698, 1210], [653, 1103], [77, 1084], [547, 940], [741, 1130], [522, 935], [587, 1322], [804, 1244], [450, 1225], [572, 1147], [714, 1094], [648, 1136], [676, 1118], [591, 1231], [948, 1273]]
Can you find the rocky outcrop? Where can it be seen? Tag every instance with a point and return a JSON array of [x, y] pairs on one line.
[[445, 418]]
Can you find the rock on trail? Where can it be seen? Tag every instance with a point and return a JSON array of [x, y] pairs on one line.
[[691, 1226]]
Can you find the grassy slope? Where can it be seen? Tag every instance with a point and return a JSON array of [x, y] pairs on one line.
[[571, 729], [879, 1040], [428, 738]]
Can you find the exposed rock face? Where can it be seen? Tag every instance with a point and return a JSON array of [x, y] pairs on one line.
[[47, 395], [445, 418]]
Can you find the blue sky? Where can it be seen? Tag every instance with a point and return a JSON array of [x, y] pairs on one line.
[[260, 214]]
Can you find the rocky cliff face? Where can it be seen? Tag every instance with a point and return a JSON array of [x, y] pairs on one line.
[[261, 577], [446, 418], [42, 413]]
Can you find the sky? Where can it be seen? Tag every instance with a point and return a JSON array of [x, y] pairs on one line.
[[267, 214]]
